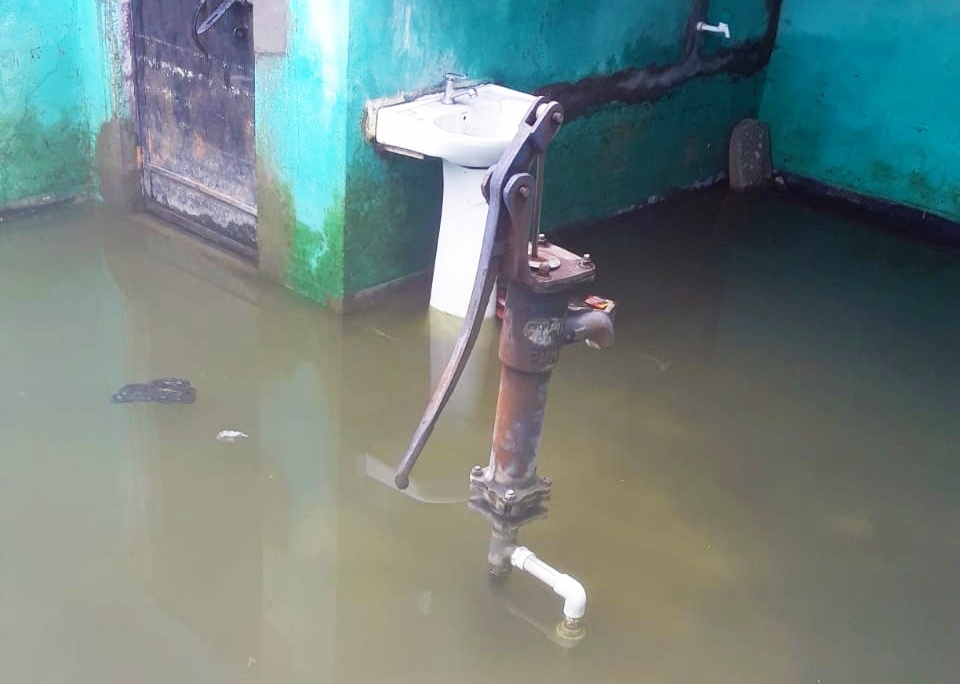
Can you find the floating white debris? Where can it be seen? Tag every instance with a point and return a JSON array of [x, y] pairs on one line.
[[663, 366], [424, 599], [230, 436]]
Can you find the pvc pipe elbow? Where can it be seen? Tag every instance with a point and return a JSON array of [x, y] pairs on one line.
[[520, 555], [566, 587], [574, 596]]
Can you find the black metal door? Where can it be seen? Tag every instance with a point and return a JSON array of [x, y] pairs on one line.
[[195, 87]]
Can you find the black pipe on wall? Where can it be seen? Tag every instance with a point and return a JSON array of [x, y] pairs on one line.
[[650, 83]]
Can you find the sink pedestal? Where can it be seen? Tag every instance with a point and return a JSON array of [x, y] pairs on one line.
[[477, 381], [469, 135], [462, 221]]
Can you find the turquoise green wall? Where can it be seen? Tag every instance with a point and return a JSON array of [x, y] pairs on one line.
[[335, 216], [863, 96], [610, 160], [52, 99], [102, 29], [624, 155], [301, 98]]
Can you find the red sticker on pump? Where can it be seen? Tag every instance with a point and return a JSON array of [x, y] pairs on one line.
[[595, 302]]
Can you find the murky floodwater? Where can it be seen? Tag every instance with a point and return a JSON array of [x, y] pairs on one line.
[[758, 483]]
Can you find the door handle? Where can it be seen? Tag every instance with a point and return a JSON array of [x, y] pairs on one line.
[[211, 19], [215, 16]]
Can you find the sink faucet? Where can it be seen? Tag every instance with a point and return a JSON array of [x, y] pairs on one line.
[[451, 92]]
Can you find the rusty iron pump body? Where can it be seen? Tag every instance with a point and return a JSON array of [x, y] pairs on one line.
[[539, 318]]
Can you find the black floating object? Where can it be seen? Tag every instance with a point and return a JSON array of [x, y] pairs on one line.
[[162, 391]]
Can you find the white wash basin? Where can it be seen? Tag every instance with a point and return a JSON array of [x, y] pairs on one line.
[[472, 132]]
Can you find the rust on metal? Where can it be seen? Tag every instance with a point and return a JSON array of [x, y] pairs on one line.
[[538, 319]]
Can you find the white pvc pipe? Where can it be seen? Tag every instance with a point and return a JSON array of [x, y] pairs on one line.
[[569, 589]]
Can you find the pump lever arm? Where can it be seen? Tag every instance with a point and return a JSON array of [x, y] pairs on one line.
[[540, 124], [482, 289]]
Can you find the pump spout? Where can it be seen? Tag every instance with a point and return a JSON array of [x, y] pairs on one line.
[[591, 326]]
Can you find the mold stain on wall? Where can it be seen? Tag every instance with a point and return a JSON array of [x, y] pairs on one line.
[[301, 149], [52, 160], [44, 144], [54, 97], [311, 260], [637, 153], [650, 107], [392, 218]]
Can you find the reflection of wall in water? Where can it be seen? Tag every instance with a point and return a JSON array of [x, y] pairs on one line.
[[201, 553], [225, 537]]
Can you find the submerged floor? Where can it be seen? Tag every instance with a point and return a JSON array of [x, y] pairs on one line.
[[758, 483]]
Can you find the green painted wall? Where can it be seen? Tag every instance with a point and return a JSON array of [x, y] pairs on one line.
[[51, 100], [301, 96], [863, 96], [624, 155], [337, 217], [615, 158]]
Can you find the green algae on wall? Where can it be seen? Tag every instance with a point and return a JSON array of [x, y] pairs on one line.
[[301, 91], [310, 259], [42, 163], [391, 218], [625, 155], [52, 103], [864, 99], [315, 269], [44, 147]]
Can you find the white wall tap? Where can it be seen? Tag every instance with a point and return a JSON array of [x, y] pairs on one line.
[[722, 27]]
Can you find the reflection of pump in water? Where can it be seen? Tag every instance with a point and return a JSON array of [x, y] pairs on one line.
[[538, 319]]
